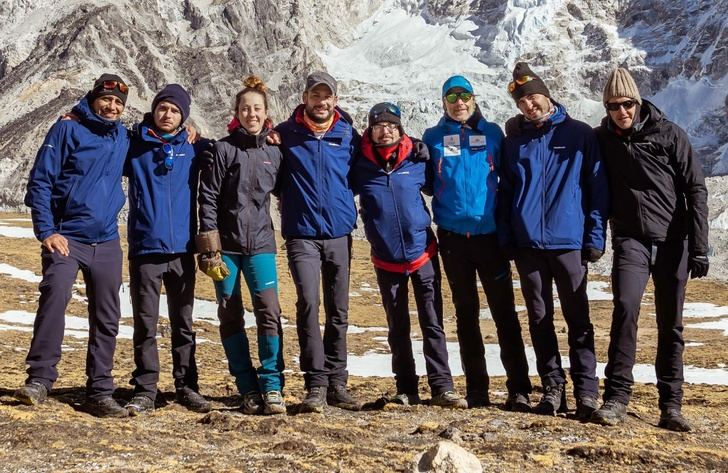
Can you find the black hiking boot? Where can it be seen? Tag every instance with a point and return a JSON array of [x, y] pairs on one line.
[[104, 406], [477, 399], [192, 400], [553, 401], [612, 412], [252, 403], [314, 401], [518, 402], [339, 396], [31, 394], [586, 405], [672, 419], [139, 404]]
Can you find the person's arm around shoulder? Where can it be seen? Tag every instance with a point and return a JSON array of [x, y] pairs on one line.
[[42, 179], [503, 203], [595, 185], [691, 182]]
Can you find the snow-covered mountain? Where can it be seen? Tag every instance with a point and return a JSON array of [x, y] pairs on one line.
[[394, 50]]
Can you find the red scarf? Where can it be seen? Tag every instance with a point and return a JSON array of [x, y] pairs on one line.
[[381, 154]]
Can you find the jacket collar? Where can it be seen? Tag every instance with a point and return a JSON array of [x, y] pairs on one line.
[[93, 121]]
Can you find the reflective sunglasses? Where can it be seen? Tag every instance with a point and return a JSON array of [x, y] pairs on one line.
[[615, 106], [520, 81], [454, 96], [113, 84], [384, 126], [168, 151]]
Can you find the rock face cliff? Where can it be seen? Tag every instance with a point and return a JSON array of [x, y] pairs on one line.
[[396, 50]]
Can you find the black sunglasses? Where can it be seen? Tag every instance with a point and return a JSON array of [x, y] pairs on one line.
[[615, 106]]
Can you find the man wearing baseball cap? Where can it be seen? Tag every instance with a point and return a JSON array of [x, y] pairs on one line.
[[75, 195], [317, 217], [163, 173], [659, 220], [465, 151]]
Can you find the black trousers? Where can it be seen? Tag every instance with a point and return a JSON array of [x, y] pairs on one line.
[[312, 263], [100, 265], [463, 258], [633, 263], [426, 285], [538, 269], [147, 273]]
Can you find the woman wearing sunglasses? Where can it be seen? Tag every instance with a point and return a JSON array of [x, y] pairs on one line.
[[465, 151], [390, 175], [236, 238]]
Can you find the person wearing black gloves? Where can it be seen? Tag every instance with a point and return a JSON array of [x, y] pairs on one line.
[[659, 220]]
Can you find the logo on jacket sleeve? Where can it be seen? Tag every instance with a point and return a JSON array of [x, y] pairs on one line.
[[451, 145]]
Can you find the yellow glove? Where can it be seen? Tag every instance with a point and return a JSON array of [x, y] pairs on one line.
[[213, 265]]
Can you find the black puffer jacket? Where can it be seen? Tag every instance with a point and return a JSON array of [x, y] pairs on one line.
[[657, 186], [234, 195]]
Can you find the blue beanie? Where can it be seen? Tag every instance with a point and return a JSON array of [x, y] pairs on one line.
[[176, 94], [456, 81]]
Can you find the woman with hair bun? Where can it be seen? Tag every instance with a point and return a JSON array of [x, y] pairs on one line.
[[236, 237]]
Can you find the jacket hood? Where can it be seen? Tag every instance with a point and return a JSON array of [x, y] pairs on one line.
[[145, 130], [91, 120], [476, 120], [339, 114], [369, 150], [241, 138], [518, 125]]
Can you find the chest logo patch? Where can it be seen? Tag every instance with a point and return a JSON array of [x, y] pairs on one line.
[[451, 145], [477, 141]]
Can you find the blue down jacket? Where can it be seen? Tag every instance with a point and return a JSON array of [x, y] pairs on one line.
[[396, 219], [162, 212], [74, 187], [553, 192], [316, 198], [464, 159]]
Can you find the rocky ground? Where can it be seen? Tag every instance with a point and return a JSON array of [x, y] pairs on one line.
[[56, 436]]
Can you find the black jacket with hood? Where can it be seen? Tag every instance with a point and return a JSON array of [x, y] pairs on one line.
[[657, 186], [234, 195]]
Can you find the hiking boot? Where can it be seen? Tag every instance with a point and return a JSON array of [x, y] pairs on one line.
[[193, 400], [672, 419], [31, 394], [449, 399], [315, 400], [273, 403], [477, 399], [139, 404], [518, 402], [339, 396], [612, 412], [104, 406], [405, 399], [552, 401], [252, 403], [586, 405]]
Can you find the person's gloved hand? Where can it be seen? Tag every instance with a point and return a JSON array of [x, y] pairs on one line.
[[207, 156], [213, 265], [698, 266], [591, 255]]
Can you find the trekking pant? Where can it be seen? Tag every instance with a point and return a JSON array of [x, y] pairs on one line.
[[100, 264], [312, 262], [634, 260], [463, 257], [261, 276], [426, 282], [146, 275], [538, 269]]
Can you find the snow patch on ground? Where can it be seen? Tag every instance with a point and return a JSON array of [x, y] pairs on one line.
[[16, 232]]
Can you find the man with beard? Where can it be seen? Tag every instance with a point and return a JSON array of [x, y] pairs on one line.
[[659, 220], [75, 195], [552, 207], [317, 216]]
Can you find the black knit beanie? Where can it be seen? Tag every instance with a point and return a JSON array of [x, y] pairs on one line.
[[99, 90], [525, 82]]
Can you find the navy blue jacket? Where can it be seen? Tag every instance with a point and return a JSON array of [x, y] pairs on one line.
[[464, 159], [162, 212], [235, 192], [395, 216], [74, 187], [316, 198], [553, 192]]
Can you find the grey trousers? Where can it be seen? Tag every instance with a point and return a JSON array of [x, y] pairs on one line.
[[311, 263]]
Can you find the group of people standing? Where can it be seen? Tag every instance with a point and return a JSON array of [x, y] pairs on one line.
[[540, 195]]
